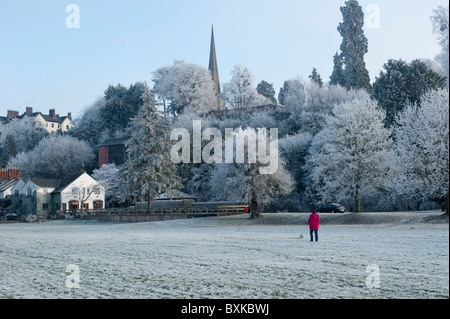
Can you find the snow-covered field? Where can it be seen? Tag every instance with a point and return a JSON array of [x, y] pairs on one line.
[[225, 257]]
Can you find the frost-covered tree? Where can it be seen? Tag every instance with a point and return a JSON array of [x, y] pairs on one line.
[[347, 158], [337, 76], [354, 46], [292, 94], [319, 103], [53, 155], [315, 77], [27, 133], [244, 181], [266, 89], [402, 83], [109, 176], [441, 28], [185, 85], [149, 170], [420, 155], [240, 91], [90, 126]]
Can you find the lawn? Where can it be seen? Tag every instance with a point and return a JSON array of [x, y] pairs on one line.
[[228, 257]]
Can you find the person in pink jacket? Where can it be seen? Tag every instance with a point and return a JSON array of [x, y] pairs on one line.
[[314, 223]]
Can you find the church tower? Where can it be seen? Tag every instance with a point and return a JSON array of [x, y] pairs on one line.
[[215, 70]]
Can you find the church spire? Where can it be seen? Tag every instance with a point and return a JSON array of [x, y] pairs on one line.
[[213, 64]]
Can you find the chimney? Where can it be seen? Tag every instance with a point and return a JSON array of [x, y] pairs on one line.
[[12, 114], [13, 173], [69, 116], [29, 110], [52, 113], [9, 173]]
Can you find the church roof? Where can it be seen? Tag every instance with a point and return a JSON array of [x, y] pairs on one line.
[[213, 64]]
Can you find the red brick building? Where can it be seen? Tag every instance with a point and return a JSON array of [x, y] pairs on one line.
[[112, 151]]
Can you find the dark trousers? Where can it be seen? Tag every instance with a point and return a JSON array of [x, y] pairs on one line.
[[316, 233]]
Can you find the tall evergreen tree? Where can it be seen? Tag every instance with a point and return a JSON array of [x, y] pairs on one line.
[[149, 170], [266, 89], [315, 77], [9, 150], [354, 46], [400, 84], [283, 92], [122, 104], [337, 77]]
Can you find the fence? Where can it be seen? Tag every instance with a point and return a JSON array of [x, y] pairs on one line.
[[158, 213]]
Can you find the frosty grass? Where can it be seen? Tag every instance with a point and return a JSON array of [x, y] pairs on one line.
[[223, 257]]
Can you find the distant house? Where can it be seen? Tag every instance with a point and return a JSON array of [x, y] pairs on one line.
[[51, 122], [112, 151], [42, 196]]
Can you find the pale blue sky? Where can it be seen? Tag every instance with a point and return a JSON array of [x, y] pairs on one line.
[[46, 65]]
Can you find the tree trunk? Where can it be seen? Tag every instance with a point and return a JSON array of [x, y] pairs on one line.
[[358, 203], [149, 202], [255, 209], [446, 203]]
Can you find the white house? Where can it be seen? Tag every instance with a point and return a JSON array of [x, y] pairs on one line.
[[83, 192], [33, 196], [52, 122], [42, 196], [18, 187]]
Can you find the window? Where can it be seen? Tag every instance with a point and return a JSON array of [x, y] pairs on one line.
[[74, 190], [29, 192], [16, 192], [64, 206], [45, 206], [97, 191], [98, 204], [53, 125], [45, 191], [67, 126], [85, 205], [74, 204]]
